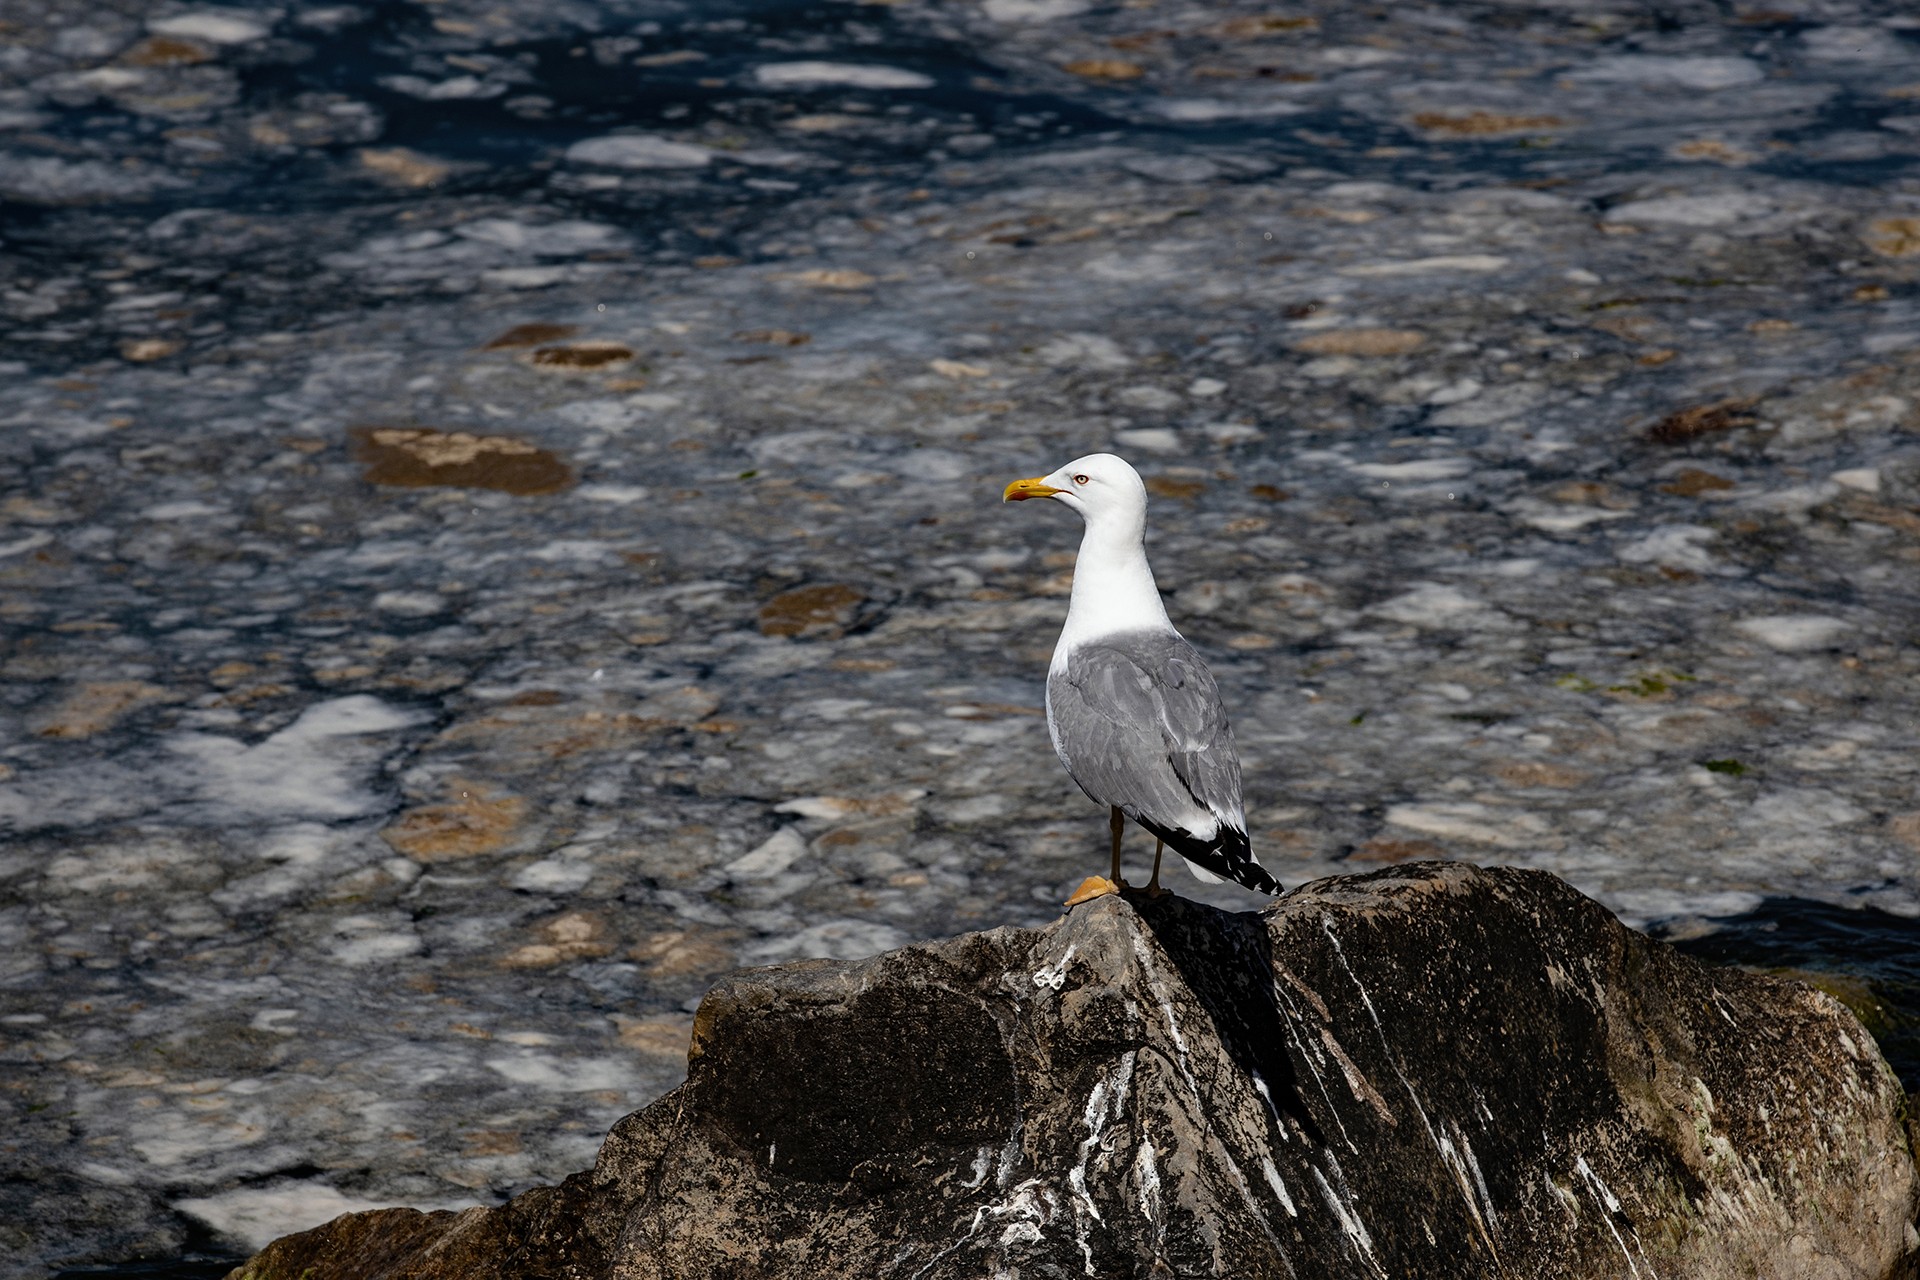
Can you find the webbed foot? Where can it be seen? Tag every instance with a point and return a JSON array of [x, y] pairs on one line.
[[1095, 887]]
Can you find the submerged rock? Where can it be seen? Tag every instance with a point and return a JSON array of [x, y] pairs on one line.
[[1431, 1070]]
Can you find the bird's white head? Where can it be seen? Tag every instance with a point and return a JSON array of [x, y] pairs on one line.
[[1106, 492]]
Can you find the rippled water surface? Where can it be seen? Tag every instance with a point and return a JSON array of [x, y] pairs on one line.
[[499, 521]]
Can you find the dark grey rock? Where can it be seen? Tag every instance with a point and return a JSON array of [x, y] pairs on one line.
[[1433, 1070]]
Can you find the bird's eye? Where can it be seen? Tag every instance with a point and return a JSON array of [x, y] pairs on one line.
[[1079, 479]]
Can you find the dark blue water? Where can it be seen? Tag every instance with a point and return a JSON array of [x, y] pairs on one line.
[[194, 1267]]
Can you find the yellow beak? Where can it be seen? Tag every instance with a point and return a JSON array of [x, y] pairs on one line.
[[1021, 490]]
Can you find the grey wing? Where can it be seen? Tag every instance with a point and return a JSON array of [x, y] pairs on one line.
[[1199, 738], [1138, 721]]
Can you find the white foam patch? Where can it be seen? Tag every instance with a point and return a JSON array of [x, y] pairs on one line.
[[98, 791], [1137, 266], [1865, 479], [50, 178], [1804, 811], [452, 90], [528, 277], [257, 1216], [1206, 110], [1719, 210], [638, 151], [1794, 633], [1477, 823], [1422, 469], [410, 604], [1084, 351], [115, 867], [32, 542], [554, 875], [1640, 907], [770, 857], [1151, 439], [1678, 546], [568, 236], [297, 856], [1495, 405], [1428, 266], [774, 158], [1900, 340], [1652, 71], [571, 549], [1167, 168], [215, 26], [979, 808], [828, 940], [1433, 605], [1860, 45], [184, 510], [623, 494], [600, 415], [366, 940], [559, 1075], [314, 768], [856, 75], [1033, 10]]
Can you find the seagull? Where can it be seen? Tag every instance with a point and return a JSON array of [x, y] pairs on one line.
[[1134, 714]]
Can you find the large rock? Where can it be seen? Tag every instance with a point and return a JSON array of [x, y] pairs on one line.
[[1434, 1070]]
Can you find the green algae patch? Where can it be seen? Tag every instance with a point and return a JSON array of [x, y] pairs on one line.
[[1656, 684]]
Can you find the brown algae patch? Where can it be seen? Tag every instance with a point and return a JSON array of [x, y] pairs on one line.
[[1692, 482], [476, 821], [1483, 124], [165, 51], [822, 610], [1361, 342], [1105, 69], [532, 335], [402, 166], [583, 357], [419, 457], [1894, 237], [565, 939], [842, 278], [1684, 425], [95, 707], [147, 350], [1388, 849]]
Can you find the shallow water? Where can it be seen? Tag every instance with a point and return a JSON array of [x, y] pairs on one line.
[[1528, 398], [185, 1268]]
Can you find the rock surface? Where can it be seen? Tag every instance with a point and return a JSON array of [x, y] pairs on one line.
[[1430, 1070]]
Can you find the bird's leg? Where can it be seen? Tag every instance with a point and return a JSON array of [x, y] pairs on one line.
[[1100, 886], [1153, 886]]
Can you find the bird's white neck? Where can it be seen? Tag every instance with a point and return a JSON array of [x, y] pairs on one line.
[[1113, 587]]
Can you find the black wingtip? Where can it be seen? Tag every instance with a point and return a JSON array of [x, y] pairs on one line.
[[1228, 854], [1237, 852]]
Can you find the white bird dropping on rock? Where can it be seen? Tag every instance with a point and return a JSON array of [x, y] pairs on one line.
[[1134, 713]]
